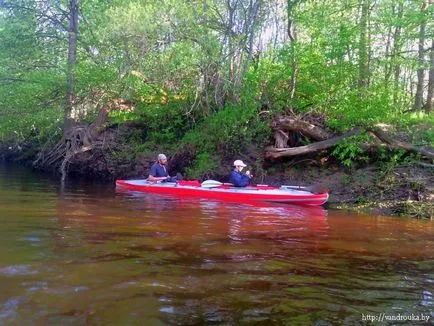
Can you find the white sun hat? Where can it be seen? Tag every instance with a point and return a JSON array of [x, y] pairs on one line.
[[239, 163]]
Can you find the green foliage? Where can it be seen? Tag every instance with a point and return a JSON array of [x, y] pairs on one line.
[[123, 155], [167, 123], [229, 131], [34, 129], [349, 151], [130, 144], [204, 164], [391, 159], [419, 125], [347, 180], [268, 82]]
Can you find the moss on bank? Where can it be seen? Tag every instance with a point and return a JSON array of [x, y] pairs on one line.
[[411, 208], [401, 191]]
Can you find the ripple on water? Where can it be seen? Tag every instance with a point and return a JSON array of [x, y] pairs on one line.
[[67, 290], [168, 309], [18, 270], [35, 286], [427, 298], [9, 308], [30, 239], [164, 299]]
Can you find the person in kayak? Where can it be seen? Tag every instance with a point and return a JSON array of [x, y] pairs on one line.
[[159, 171], [237, 178]]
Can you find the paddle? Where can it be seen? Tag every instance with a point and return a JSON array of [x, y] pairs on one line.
[[213, 184], [315, 189]]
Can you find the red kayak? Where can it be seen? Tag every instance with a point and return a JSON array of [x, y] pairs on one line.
[[217, 190]]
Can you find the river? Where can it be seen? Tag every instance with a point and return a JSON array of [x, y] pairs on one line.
[[90, 255]]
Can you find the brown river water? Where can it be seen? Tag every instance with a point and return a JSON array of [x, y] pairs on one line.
[[90, 255]]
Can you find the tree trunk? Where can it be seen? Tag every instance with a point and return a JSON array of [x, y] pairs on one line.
[[363, 48], [292, 34], [72, 61], [418, 100], [387, 69], [429, 96], [388, 65], [396, 48], [229, 32], [250, 23]]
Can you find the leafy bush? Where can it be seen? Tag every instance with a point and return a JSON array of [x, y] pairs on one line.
[[203, 165], [349, 152], [228, 131]]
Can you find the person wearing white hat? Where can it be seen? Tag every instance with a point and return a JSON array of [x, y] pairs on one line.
[[158, 170], [237, 178]]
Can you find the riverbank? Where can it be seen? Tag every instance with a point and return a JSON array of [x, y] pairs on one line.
[[399, 191], [403, 190]]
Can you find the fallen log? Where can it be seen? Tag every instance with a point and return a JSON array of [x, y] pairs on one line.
[[393, 143], [296, 125], [286, 126], [273, 153]]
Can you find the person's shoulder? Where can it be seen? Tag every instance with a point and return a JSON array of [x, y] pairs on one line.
[[154, 166]]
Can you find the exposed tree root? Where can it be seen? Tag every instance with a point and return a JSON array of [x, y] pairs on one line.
[[76, 140]]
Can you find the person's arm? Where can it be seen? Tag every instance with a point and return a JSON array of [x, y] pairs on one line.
[[245, 180], [154, 179], [239, 180]]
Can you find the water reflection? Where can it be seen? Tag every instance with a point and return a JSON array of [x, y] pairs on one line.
[[90, 255]]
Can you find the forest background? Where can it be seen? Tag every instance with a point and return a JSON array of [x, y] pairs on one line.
[[98, 88]]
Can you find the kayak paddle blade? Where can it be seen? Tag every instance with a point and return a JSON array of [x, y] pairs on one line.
[[211, 184], [315, 189]]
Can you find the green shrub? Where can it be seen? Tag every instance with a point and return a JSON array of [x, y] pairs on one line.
[[202, 165], [349, 151]]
